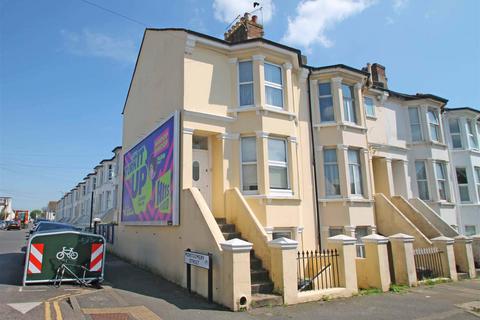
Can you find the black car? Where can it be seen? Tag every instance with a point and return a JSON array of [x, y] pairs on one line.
[[13, 225], [53, 226]]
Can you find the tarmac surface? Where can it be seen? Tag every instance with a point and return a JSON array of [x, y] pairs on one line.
[[132, 293]]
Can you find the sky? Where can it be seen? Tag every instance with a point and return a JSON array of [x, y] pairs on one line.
[[65, 67]]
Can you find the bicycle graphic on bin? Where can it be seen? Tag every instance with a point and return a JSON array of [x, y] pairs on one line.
[[69, 253]]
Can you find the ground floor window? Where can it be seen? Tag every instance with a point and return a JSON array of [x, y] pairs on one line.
[[354, 166], [477, 176], [360, 232], [282, 234], [422, 181], [441, 180], [335, 231], [278, 164], [470, 230], [330, 167], [462, 181], [249, 164]]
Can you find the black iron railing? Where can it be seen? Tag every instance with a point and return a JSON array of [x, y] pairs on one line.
[[428, 263], [107, 231], [317, 270]]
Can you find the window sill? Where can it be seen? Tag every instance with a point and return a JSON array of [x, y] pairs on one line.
[[342, 125], [371, 117], [263, 111], [428, 143], [272, 196], [345, 200], [441, 203]]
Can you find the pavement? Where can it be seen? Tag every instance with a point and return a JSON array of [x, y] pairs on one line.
[[132, 293]]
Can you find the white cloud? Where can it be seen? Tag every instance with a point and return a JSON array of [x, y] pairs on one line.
[[314, 17], [88, 43], [399, 5], [227, 10]]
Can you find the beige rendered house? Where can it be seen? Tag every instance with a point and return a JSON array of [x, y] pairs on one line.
[[277, 157]]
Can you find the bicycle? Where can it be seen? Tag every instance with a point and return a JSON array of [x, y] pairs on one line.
[[69, 253]]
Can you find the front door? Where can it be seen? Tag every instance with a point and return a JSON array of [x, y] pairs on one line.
[[201, 173]]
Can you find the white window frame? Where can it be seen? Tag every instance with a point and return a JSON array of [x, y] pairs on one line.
[[110, 172], [443, 180], [428, 197], [374, 107], [245, 82], [280, 164], [470, 226], [463, 186], [242, 163], [477, 183], [433, 125], [419, 123], [472, 134], [274, 85], [359, 165], [325, 164], [457, 134], [325, 96], [347, 115]]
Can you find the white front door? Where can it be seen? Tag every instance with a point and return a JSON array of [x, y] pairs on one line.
[[201, 173]]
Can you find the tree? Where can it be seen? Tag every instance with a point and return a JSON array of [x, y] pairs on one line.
[[36, 214]]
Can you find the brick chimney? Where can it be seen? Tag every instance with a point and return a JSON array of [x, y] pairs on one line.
[[379, 76], [245, 28]]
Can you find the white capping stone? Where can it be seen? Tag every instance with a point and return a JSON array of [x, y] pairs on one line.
[[476, 237], [375, 238], [341, 238], [463, 238], [188, 130], [447, 240], [402, 237], [236, 245], [283, 243], [268, 230]]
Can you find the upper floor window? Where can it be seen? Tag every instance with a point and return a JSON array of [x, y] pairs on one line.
[[441, 180], [330, 167], [415, 125], [278, 164], [477, 176], [354, 166], [455, 133], [249, 164], [245, 80], [462, 181], [369, 106], [433, 125], [325, 102], [110, 172], [94, 184], [472, 134], [349, 104], [273, 85], [84, 190], [422, 181]]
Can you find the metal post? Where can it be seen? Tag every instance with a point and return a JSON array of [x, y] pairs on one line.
[[91, 213], [189, 275], [210, 279]]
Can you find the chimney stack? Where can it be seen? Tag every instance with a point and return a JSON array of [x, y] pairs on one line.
[[245, 28], [379, 76]]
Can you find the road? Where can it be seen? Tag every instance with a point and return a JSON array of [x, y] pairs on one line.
[[133, 293]]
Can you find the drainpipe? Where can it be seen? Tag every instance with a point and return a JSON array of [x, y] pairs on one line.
[[315, 184]]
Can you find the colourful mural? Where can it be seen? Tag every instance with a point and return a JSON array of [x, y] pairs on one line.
[[150, 190]]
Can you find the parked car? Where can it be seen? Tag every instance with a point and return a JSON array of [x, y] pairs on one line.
[[3, 224], [13, 225], [53, 226]]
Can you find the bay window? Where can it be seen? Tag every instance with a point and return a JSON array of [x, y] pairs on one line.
[[433, 125], [330, 167], [349, 104], [422, 181], [273, 85], [477, 175], [472, 134], [355, 170], [455, 133], [278, 164], [415, 125], [462, 181], [369, 106], [245, 86], [249, 164], [325, 102], [441, 180]]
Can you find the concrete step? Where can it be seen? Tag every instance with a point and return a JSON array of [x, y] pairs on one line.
[[227, 227], [265, 300], [231, 235], [462, 276], [221, 220], [259, 275], [262, 287], [255, 263]]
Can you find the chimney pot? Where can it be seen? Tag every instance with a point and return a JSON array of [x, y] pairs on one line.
[[254, 19]]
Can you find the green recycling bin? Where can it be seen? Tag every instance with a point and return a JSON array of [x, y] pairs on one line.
[[64, 256]]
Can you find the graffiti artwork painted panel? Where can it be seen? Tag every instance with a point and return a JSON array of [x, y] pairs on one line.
[[150, 178]]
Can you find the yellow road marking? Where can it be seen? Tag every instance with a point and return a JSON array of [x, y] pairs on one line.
[[58, 312], [48, 315]]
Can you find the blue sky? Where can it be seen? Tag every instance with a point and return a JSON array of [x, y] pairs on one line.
[[65, 67]]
